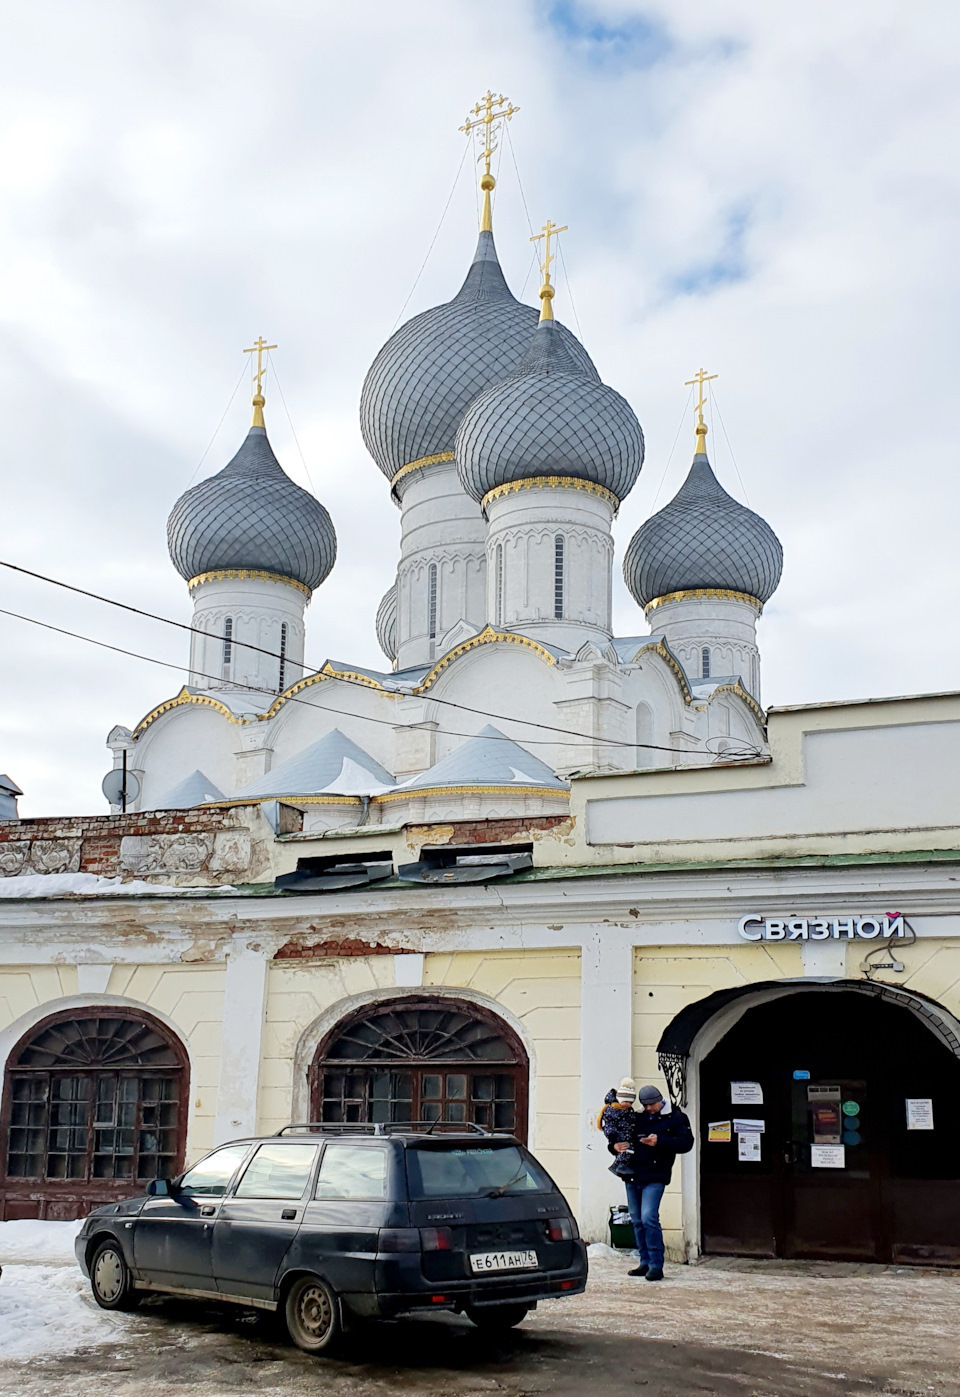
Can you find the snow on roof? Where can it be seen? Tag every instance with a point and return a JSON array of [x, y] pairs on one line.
[[333, 766], [195, 789], [489, 759], [90, 885]]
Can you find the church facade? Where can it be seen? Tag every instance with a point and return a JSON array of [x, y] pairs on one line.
[[524, 858]]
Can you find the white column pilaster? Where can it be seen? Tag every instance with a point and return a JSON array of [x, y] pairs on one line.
[[606, 1014], [244, 1008]]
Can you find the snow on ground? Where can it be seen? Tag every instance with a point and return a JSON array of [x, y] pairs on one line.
[[38, 1241]]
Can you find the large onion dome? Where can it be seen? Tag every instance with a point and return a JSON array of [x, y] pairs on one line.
[[703, 538], [553, 417], [429, 372], [252, 517]]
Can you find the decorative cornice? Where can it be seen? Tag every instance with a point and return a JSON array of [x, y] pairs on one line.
[[661, 648], [488, 636], [704, 594], [182, 698], [239, 574], [742, 693], [327, 671], [419, 464], [551, 482], [296, 799], [418, 792]]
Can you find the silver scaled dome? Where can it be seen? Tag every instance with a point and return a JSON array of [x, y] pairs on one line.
[[251, 516], [387, 623], [553, 417], [703, 538], [429, 372]]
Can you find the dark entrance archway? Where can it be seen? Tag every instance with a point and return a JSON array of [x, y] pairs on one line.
[[94, 1105], [836, 1066], [422, 1059]]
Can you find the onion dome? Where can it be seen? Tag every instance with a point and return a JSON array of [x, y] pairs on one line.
[[387, 623], [429, 372], [251, 517], [552, 418], [703, 539]]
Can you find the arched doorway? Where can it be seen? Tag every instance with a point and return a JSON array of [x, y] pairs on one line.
[[94, 1106], [422, 1059], [844, 1168]]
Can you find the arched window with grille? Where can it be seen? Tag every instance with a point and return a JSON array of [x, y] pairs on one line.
[[558, 577], [705, 662], [227, 646], [95, 1102], [283, 658], [432, 601], [439, 1060]]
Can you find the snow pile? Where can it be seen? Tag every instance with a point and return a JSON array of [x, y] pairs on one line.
[[33, 1240], [87, 885], [599, 1251], [47, 1310]]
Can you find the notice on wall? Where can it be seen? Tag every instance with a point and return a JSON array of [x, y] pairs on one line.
[[748, 1146], [719, 1132], [828, 1157], [826, 1122], [919, 1113], [746, 1093], [749, 1127]]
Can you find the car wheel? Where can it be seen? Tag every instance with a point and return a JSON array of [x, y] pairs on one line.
[[110, 1279], [498, 1316], [312, 1315]]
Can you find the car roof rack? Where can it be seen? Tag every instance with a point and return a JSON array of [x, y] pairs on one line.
[[387, 1127]]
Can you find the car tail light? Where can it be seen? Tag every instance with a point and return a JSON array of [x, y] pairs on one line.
[[436, 1239], [561, 1230], [399, 1239]]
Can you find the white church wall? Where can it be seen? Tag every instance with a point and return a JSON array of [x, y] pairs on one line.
[[187, 738], [257, 609]]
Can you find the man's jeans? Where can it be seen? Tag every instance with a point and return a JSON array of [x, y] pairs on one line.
[[643, 1200]]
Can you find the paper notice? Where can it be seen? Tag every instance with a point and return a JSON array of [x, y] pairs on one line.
[[748, 1146], [749, 1127], [919, 1113], [746, 1093], [828, 1157], [719, 1132]]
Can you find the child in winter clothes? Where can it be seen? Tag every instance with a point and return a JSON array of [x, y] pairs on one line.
[[618, 1117]]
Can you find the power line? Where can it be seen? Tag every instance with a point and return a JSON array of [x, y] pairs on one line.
[[275, 655]]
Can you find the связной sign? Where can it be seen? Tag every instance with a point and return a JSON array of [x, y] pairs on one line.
[[757, 928]]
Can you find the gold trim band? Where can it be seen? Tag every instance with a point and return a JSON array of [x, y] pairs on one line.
[[389, 796], [419, 464], [552, 482], [238, 575], [703, 594]]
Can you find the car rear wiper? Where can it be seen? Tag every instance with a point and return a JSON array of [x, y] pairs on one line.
[[499, 1192]]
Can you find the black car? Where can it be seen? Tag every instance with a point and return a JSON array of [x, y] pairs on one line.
[[331, 1225]]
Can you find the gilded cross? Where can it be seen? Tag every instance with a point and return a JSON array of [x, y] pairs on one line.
[[549, 230], [699, 379], [488, 113], [259, 349]]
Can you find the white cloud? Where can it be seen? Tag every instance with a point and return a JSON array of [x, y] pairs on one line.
[[768, 191]]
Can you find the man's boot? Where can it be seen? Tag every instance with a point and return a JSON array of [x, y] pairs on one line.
[[640, 1270], [654, 1273]]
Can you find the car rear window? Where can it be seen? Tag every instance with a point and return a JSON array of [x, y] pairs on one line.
[[473, 1171]]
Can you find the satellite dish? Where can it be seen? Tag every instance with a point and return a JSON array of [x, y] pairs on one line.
[[112, 786]]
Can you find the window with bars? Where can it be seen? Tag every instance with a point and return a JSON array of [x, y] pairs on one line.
[[705, 662], [432, 601], [283, 658], [498, 585], [95, 1098], [425, 1062], [558, 577], [227, 645]]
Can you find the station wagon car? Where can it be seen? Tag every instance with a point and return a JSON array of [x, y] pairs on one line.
[[328, 1226]]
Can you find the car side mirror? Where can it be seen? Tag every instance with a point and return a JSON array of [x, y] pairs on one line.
[[160, 1188]]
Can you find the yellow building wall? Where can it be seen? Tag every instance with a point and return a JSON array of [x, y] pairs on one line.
[[540, 988], [26, 987], [668, 978]]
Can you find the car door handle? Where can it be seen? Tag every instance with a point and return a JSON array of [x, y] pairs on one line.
[[208, 1211], [289, 1214]]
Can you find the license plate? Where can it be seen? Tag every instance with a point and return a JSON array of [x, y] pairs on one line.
[[504, 1260]]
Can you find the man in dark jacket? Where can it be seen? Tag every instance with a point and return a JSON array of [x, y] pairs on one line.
[[645, 1164]]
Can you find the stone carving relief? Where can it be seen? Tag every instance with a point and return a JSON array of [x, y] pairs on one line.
[[231, 851], [165, 853], [12, 858]]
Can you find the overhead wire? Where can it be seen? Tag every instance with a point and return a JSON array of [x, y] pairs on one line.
[[683, 418], [290, 420], [566, 278], [713, 399], [219, 425], [467, 148], [272, 654]]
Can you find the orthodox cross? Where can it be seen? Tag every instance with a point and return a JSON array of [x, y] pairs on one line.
[[259, 349], [699, 379], [549, 230], [486, 114]]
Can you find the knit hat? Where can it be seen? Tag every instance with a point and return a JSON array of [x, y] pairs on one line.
[[648, 1095], [627, 1090]]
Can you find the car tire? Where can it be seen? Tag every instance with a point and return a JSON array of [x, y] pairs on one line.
[[312, 1313], [110, 1279], [492, 1317]]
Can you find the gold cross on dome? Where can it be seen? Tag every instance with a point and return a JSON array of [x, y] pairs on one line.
[[259, 349], [549, 230], [699, 379], [488, 113]]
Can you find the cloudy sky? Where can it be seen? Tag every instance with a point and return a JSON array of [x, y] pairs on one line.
[[769, 190]]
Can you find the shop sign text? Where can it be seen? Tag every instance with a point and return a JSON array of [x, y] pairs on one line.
[[758, 928]]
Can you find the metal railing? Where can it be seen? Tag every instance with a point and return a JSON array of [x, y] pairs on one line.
[[390, 1127]]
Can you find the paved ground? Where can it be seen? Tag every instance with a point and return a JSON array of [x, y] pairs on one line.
[[725, 1328]]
